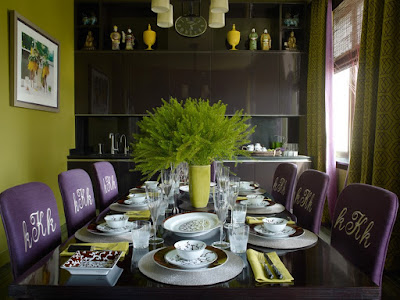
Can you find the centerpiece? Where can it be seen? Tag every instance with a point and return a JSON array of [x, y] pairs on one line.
[[192, 131]]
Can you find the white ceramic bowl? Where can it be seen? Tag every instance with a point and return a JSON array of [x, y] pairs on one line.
[[136, 198], [255, 199], [151, 184], [190, 249], [116, 221], [274, 224], [245, 185]]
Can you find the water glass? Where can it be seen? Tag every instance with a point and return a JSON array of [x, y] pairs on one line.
[[239, 213], [238, 237], [141, 234]]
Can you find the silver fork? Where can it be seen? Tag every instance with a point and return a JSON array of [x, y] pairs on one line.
[[266, 269]]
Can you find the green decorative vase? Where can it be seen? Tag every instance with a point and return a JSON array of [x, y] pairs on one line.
[[199, 185]]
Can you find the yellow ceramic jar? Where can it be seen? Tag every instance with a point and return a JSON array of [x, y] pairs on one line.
[[149, 37], [199, 185], [233, 37]]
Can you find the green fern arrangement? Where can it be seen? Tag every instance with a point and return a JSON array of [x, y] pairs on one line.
[[191, 131]]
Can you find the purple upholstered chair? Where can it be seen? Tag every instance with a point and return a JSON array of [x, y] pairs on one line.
[[362, 224], [309, 199], [106, 184], [283, 184], [78, 198], [31, 222]]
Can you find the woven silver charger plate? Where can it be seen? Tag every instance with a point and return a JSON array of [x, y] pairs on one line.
[[85, 236], [272, 209], [305, 240], [227, 271]]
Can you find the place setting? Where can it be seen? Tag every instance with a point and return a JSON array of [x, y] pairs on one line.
[[249, 188], [132, 202]]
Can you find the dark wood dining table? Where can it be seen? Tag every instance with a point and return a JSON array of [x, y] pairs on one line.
[[319, 272]]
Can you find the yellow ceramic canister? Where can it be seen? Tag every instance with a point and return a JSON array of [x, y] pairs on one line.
[[149, 37], [233, 37]]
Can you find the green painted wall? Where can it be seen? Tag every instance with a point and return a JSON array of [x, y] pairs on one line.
[[35, 144]]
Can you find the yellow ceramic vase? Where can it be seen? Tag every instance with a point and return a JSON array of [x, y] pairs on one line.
[[233, 37], [149, 37], [199, 185]]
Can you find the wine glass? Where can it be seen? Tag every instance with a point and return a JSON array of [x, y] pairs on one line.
[[155, 202], [221, 208], [167, 182], [233, 193]]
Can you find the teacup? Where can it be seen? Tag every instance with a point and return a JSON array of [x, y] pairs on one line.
[[248, 147], [257, 147], [255, 199], [116, 221], [274, 224], [245, 185], [151, 184]]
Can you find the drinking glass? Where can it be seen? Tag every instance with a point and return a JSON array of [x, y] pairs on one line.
[[167, 182], [221, 208], [141, 234], [238, 237], [234, 183], [239, 213], [155, 203]]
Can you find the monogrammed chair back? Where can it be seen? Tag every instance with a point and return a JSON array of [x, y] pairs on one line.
[[31, 223], [362, 224], [309, 198], [283, 184], [77, 194], [106, 185]]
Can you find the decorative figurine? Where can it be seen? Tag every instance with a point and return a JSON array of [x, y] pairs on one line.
[[265, 40], [93, 19], [149, 37], [129, 39], [233, 37], [291, 43], [115, 38], [253, 36], [85, 19], [291, 20], [89, 43]]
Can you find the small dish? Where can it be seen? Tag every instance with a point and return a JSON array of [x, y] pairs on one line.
[[286, 232], [205, 259], [245, 185], [274, 224], [136, 199], [190, 249], [249, 205], [116, 221], [255, 199], [104, 229]]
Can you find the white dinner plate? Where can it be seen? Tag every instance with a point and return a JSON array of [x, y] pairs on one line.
[[104, 229], [282, 234], [192, 224], [92, 262], [264, 203], [208, 257], [185, 188]]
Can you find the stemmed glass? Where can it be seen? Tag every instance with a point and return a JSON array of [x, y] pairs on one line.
[[155, 202], [233, 193], [167, 182], [221, 208]]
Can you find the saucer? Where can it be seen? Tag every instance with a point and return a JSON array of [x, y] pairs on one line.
[[264, 203], [104, 228], [207, 258], [282, 234]]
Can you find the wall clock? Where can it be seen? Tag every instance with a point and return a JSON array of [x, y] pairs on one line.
[[190, 26]]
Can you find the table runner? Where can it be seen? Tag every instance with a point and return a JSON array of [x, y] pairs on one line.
[[85, 236], [227, 271], [305, 240]]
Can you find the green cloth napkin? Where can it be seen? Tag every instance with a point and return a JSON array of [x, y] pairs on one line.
[[258, 220], [255, 258]]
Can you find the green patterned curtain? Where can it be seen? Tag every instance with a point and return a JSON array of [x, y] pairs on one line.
[[375, 145], [316, 132]]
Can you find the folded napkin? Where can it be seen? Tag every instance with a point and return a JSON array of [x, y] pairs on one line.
[[255, 258], [258, 220], [240, 198], [138, 214], [122, 246]]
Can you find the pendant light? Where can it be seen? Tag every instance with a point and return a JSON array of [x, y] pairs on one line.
[[160, 6], [166, 20], [219, 6], [216, 20]]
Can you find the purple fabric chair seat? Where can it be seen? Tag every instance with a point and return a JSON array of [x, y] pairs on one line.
[[106, 185], [309, 199], [31, 223], [283, 184], [362, 225], [77, 194]]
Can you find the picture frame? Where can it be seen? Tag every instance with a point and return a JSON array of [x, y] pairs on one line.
[[34, 66], [99, 91]]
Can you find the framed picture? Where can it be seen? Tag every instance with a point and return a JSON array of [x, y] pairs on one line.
[[99, 91], [34, 66]]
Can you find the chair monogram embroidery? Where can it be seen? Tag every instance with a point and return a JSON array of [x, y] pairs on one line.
[[109, 183], [82, 200], [306, 201], [38, 229], [280, 185], [353, 226]]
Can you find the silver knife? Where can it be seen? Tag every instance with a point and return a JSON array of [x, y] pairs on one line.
[[267, 270], [278, 274]]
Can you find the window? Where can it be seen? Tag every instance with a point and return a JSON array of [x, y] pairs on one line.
[[347, 22]]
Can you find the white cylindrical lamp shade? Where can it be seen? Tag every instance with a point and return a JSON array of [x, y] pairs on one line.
[[216, 20], [160, 6], [166, 20], [219, 6]]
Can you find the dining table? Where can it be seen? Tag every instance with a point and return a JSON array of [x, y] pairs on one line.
[[319, 272]]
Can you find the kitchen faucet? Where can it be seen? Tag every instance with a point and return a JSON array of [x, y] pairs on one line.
[[126, 148], [113, 149]]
